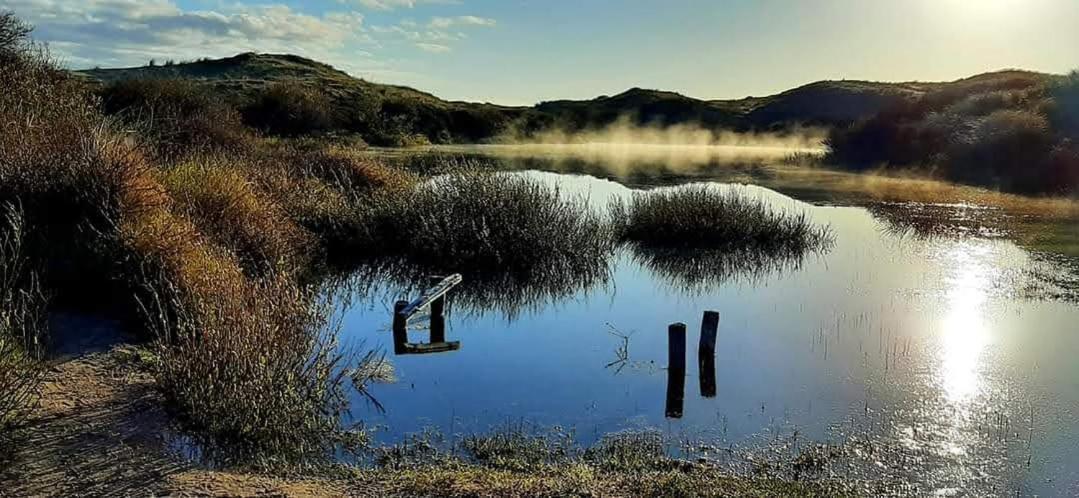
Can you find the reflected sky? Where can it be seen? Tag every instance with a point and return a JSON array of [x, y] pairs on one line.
[[925, 349]]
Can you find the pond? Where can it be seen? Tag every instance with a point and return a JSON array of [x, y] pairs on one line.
[[940, 359]]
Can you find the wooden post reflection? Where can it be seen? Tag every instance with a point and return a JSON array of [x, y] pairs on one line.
[[400, 328], [676, 369], [706, 354]]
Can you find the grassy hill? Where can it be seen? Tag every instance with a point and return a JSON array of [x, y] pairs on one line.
[[380, 111]]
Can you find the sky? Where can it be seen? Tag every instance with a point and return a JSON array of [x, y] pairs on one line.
[[520, 52]]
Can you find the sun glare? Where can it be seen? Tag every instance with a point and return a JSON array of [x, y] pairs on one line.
[[965, 331]]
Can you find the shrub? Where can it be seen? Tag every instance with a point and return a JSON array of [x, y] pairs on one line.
[[1007, 147], [178, 115], [257, 377], [700, 217], [290, 109], [1065, 108]]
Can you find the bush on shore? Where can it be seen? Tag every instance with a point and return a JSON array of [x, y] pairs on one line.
[[198, 244], [290, 109], [1015, 134], [177, 116], [258, 377]]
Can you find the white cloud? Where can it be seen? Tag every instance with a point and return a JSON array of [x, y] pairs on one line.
[[433, 48], [448, 22], [129, 32], [438, 35], [396, 4]]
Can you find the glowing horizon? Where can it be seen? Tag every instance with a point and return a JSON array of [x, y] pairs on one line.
[[523, 52]]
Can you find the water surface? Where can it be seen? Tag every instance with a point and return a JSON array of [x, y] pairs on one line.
[[944, 360]]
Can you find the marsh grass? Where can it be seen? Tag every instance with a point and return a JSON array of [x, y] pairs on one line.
[[489, 223], [520, 448], [701, 217], [258, 378]]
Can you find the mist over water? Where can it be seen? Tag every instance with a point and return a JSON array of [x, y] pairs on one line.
[[624, 144]]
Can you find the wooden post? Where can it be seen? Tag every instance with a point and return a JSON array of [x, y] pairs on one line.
[[400, 327], [709, 330], [706, 354], [438, 329], [438, 306], [676, 369], [676, 347]]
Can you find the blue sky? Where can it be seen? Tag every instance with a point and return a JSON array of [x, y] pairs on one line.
[[525, 51]]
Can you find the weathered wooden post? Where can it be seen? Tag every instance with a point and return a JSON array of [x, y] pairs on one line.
[[400, 327], [709, 330], [676, 346], [706, 354], [438, 329], [438, 306], [676, 370]]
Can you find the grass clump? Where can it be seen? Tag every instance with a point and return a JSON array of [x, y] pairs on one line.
[[257, 377], [516, 448], [177, 116], [230, 209], [488, 222], [698, 217]]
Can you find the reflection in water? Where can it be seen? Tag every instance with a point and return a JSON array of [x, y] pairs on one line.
[[676, 392], [927, 221], [508, 293], [965, 331], [699, 271]]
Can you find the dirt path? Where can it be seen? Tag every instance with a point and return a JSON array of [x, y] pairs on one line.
[[100, 431]]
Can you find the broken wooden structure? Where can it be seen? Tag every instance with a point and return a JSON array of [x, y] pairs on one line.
[[433, 299]]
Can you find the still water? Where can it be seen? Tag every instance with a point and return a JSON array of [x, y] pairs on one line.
[[946, 362]]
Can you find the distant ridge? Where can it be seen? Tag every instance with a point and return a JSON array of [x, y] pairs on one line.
[[822, 103]]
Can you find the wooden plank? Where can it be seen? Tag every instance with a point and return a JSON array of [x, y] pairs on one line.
[[430, 295], [438, 347]]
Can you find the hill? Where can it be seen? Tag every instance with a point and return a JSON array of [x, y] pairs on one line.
[[380, 112], [383, 113]]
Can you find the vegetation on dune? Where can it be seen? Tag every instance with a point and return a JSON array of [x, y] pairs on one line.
[[1012, 130], [202, 240]]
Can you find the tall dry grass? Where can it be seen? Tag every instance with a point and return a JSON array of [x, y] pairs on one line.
[[475, 222], [259, 377], [22, 330]]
